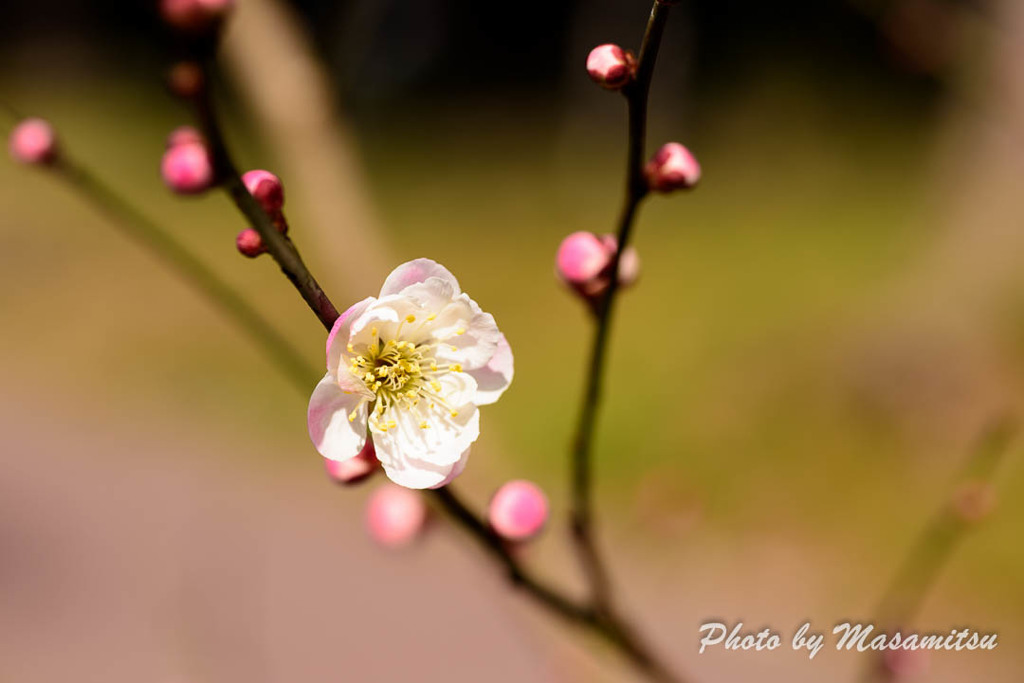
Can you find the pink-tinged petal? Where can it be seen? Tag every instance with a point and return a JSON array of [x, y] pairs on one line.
[[335, 436], [341, 330], [494, 378], [417, 271], [457, 469], [413, 474], [432, 295]]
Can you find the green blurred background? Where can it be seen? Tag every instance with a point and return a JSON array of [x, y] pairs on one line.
[[819, 336]]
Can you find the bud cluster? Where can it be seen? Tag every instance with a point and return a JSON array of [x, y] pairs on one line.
[[584, 262], [267, 190]]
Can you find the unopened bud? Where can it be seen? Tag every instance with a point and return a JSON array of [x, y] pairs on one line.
[[183, 135], [582, 257], [905, 665], [974, 501], [395, 516], [267, 190], [186, 168], [584, 262], [249, 243], [518, 511], [33, 141], [355, 469], [186, 80], [672, 168], [610, 66], [195, 16]]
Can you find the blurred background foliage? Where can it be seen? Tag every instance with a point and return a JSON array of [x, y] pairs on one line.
[[820, 332]]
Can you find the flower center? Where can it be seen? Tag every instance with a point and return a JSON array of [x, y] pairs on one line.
[[392, 369], [400, 374]]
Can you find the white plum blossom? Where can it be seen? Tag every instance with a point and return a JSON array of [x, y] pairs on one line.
[[409, 369]]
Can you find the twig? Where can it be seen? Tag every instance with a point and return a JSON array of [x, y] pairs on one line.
[[279, 246], [608, 625], [636, 189], [943, 534], [161, 242], [602, 620]]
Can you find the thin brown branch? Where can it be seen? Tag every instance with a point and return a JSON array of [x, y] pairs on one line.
[[161, 242], [609, 626], [636, 94], [279, 246]]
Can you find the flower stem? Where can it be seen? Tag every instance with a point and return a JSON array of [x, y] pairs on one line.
[[161, 242], [636, 94]]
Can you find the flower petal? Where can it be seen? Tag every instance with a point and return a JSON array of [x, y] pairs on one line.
[[421, 475], [467, 334], [338, 338], [493, 379], [417, 271], [428, 433], [334, 436], [456, 470]]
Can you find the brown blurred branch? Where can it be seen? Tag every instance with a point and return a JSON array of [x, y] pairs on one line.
[[971, 501], [161, 242], [636, 94]]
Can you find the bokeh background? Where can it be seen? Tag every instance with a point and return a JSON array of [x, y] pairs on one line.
[[820, 334]]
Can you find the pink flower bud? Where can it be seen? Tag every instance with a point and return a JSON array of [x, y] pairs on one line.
[[581, 258], [355, 469], [672, 168], [249, 243], [186, 168], [518, 510], [186, 80], [585, 259], [395, 515], [183, 135], [267, 189], [904, 665], [610, 66], [974, 501], [33, 141], [195, 16]]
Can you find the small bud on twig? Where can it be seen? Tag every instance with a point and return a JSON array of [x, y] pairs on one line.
[[673, 167], [186, 80], [395, 515], [195, 16], [610, 66], [266, 188], [974, 501], [249, 243], [183, 135], [353, 470], [33, 141], [518, 511], [186, 168], [584, 261]]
